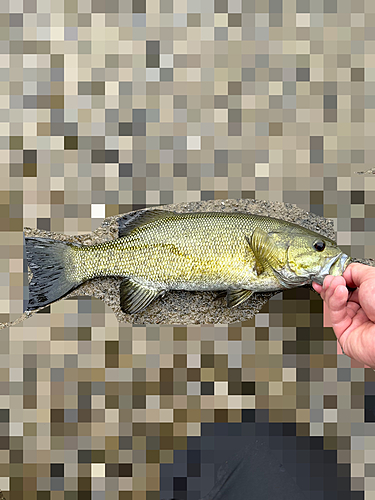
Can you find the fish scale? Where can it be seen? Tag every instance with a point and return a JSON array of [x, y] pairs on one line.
[[157, 251], [185, 251]]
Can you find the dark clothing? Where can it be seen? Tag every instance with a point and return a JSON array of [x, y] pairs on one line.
[[255, 460], [255, 473]]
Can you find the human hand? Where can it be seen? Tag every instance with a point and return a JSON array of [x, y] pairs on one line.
[[352, 313]]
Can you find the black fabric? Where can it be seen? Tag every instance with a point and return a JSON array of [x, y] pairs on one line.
[[255, 473], [256, 460]]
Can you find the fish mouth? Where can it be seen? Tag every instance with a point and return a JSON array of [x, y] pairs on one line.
[[335, 267]]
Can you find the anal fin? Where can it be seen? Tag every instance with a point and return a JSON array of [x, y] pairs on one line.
[[236, 297], [135, 297]]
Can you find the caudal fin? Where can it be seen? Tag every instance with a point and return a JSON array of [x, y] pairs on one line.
[[50, 261]]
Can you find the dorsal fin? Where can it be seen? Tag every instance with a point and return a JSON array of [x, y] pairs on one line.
[[126, 225]]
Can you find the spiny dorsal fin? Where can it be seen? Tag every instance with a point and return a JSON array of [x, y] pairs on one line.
[[264, 249], [236, 297], [126, 225], [134, 297]]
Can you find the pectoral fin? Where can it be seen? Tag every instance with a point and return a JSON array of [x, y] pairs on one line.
[[134, 297], [236, 297], [264, 250]]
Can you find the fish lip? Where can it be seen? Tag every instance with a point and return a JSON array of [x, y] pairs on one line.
[[345, 262], [329, 264], [326, 270]]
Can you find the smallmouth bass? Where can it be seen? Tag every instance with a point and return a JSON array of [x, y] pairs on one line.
[[157, 251]]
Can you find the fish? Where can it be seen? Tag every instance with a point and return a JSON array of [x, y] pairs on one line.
[[158, 250]]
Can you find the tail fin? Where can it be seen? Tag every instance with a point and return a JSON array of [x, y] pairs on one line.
[[50, 262]]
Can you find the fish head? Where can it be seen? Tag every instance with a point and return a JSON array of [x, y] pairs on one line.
[[311, 257], [297, 256]]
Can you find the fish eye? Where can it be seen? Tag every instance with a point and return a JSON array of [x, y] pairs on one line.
[[319, 246]]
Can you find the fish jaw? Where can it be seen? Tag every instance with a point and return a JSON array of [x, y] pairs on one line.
[[334, 267], [340, 265], [288, 279]]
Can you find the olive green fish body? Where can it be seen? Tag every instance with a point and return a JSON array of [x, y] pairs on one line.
[[188, 252], [159, 251]]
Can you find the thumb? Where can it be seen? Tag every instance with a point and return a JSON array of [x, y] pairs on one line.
[[355, 274]]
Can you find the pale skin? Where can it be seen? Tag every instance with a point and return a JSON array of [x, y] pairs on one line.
[[352, 313]]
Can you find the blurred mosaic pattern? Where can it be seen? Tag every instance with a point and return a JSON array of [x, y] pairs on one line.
[[111, 106]]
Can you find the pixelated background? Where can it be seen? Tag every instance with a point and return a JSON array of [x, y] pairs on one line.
[[111, 106]]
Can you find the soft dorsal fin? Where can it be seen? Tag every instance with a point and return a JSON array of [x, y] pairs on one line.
[[264, 249], [126, 225]]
